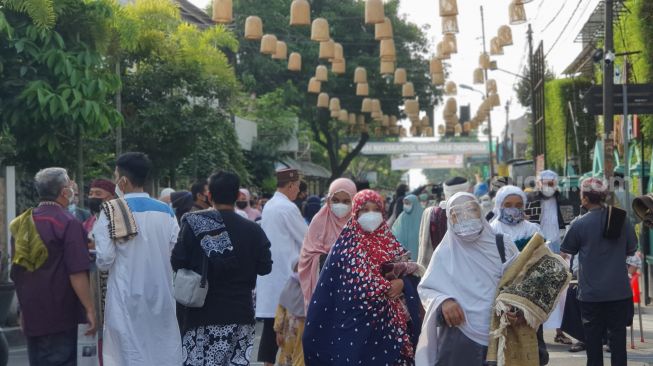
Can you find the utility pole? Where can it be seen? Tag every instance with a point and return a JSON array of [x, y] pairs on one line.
[[532, 86], [489, 117], [608, 92]]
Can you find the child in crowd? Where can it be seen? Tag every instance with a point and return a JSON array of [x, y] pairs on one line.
[[289, 322]]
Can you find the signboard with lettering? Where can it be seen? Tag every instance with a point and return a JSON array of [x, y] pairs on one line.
[[396, 148], [429, 162]]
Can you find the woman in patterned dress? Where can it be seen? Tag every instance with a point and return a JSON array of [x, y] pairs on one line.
[[357, 315]]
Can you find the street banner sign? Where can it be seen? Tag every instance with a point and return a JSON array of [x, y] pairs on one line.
[[640, 99], [429, 162], [398, 148]]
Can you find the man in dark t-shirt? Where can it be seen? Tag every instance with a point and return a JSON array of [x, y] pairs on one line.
[[54, 294], [602, 243]]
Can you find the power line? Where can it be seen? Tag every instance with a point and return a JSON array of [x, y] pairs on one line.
[[562, 32], [554, 17]]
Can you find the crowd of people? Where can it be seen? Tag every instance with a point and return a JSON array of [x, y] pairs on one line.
[[462, 275]]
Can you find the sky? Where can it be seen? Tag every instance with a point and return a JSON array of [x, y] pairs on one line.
[[555, 22]]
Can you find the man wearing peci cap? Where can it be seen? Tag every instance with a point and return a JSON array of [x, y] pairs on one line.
[[102, 190], [602, 239], [285, 227]]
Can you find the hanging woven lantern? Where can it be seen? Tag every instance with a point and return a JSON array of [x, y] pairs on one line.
[[352, 119], [320, 30], [458, 129], [495, 47], [269, 44], [223, 11], [374, 12], [402, 132], [376, 106], [451, 106], [428, 132], [479, 76], [413, 131], [441, 130], [300, 12], [451, 88], [360, 75], [383, 30], [387, 68], [486, 105], [376, 115], [334, 104], [366, 106], [394, 130], [408, 90], [386, 121], [400, 76], [450, 25], [467, 127], [323, 100], [362, 89], [505, 36], [327, 50], [339, 67], [442, 51], [393, 120], [314, 86], [360, 119], [343, 116], [334, 114], [484, 61], [411, 107], [425, 122], [451, 42], [295, 62], [448, 8], [338, 52], [281, 51], [414, 119], [491, 86], [321, 73], [253, 28], [517, 13], [437, 79], [495, 100], [388, 50], [435, 66]]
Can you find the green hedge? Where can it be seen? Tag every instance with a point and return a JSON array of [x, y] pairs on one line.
[[558, 93]]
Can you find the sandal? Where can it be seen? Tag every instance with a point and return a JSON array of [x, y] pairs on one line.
[[562, 339], [578, 347]]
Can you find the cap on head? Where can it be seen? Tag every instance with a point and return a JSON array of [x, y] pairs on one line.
[[104, 184], [286, 176]]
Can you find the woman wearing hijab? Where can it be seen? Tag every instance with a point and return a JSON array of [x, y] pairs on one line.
[[406, 228], [358, 315], [509, 218], [311, 208], [459, 288], [323, 232], [243, 203]]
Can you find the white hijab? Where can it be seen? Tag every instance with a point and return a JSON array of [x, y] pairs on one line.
[[524, 229], [466, 271]]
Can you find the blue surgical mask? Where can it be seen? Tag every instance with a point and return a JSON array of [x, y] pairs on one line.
[[511, 215]]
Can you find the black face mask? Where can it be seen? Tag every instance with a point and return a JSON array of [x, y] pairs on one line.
[[95, 204], [241, 204]]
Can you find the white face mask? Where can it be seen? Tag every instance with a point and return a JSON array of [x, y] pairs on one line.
[[468, 228], [341, 210], [548, 191], [408, 208], [370, 221], [119, 192]]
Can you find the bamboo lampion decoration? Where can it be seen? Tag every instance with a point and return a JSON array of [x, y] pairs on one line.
[[339, 67], [458, 129], [320, 30], [360, 75], [448, 8], [450, 25], [388, 52], [343, 115], [451, 88], [428, 131], [383, 30], [517, 12], [442, 51], [486, 105], [281, 52], [366, 106], [451, 106], [495, 100], [377, 132], [253, 28], [338, 52], [479, 76], [425, 122], [376, 115], [300, 13], [334, 104], [223, 11], [495, 47], [360, 119], [413, 131], [408, 90], [387, 68], [327, 50], [451, 43], [401, 76], [484, 61], [321, 73], [334, 114], [376, 106], [505, 36], [411, 107], [467, 127], [362, 89], [394, 130], [314, 86], [386, 121], [437, 79], [393, 120], [295, 62], [435, 66], [352, 119], [269, 44], [374, 12], [491, 86], [323, 100]]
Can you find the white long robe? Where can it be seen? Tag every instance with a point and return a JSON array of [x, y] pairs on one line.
[[140, 324], [285, 227]]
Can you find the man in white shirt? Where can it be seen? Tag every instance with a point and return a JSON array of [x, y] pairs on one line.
[[134, 237], [285, 227]]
